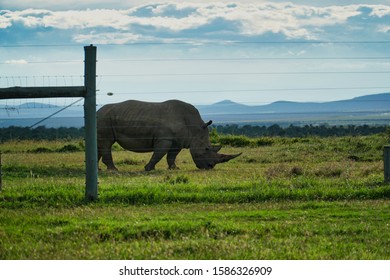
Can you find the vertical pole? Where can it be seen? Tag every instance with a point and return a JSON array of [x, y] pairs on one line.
[[386, 160], [91, 164], [1, 174]]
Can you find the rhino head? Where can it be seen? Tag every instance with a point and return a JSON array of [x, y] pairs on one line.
[[204, 154]]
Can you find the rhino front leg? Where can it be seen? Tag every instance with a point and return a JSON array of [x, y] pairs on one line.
[[171, 157], [160, 150]]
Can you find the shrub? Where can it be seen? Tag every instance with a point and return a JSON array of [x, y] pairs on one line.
[[70, 148], [297, 171], [251, 160], [235, 141], [264, 141], [41, 150], [330, 171], [214, 137], [283, 171], [277, 171]]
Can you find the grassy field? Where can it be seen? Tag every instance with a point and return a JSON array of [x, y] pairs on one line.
[[284, 198]]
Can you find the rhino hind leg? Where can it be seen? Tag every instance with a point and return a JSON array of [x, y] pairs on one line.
[[171, 157], [107, 159], [104, 152]]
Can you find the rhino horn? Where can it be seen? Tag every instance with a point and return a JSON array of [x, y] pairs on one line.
[[224, 158]]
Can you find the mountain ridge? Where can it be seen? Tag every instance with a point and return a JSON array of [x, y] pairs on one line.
[[368, 109], [367, 103]]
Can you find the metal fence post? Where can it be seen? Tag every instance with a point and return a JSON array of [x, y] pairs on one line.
[[386, 161], [1, 174], [91, 164]]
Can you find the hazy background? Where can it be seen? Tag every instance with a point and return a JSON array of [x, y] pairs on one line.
[[251, 52]]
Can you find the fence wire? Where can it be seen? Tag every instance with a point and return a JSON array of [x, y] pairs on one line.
[[140, 73]]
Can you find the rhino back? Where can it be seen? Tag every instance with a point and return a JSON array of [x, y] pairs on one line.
[[145, 122]]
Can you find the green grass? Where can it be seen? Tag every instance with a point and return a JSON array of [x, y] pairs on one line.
[[270, 230], [291, 198]]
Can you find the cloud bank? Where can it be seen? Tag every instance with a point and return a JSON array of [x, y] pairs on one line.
[[177, 22]]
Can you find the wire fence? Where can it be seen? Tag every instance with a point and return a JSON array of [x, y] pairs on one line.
[[205, 71], [252, 77]]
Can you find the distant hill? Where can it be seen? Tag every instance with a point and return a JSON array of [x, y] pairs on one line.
[[30, 105], [369, 109], [28, 114], [367, 103]]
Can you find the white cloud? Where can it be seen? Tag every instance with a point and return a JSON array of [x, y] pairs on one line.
[[4, 21], [197, 19], [380, 10], [384, 28], [68, 19], [64, 4], [16, 61], [107, 38]]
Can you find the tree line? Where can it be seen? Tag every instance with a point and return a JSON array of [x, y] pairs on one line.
[[299, 131], [44, 133], [40, 133]]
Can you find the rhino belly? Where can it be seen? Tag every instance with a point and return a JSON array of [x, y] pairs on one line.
[[143, 136], [138, 146], [135, 144]]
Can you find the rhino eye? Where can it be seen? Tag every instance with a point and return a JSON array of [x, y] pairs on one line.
[[207, 149]]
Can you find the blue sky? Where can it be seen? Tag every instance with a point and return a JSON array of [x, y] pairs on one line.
[[252, 52]]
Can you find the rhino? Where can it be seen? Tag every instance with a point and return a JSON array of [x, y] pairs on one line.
[[162, 128]]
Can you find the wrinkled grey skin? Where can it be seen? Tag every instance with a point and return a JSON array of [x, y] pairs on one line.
[[162, 128]]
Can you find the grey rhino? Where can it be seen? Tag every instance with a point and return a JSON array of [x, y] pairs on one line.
[[162, 128]]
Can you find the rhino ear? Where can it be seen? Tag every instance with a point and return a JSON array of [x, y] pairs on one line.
[[207, 124]]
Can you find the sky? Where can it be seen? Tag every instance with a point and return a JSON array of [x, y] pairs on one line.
[[202, 52]]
